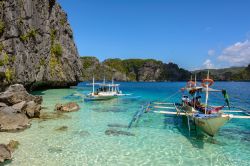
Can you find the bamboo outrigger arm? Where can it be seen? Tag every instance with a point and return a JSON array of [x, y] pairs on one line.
[[182, 113]]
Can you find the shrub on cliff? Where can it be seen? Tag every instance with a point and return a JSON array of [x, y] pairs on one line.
[[56, 49]]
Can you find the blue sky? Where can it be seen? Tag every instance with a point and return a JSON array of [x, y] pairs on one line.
[[193, 34]]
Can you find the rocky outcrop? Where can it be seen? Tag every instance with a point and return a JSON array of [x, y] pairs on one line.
[[11, 120], [150, 71], [68, 107], [132, 70], [16, 107], [16, 94], [92, 66], [6, 150], [37, 47]]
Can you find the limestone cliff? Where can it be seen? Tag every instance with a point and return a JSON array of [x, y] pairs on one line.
[[36, 45], [132, 70]]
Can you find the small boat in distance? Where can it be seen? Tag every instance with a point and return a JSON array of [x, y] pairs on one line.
[[105, 91]]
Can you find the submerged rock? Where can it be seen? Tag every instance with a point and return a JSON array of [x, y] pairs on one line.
[[12, 145], [82, 133], [5, 153], [62, 128], [55, 150], [68, 107], [10, 120], [6, 150], [53, 115], [117, 125], [118, 132]]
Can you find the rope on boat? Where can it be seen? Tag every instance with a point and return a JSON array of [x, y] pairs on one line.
[[172, 95]]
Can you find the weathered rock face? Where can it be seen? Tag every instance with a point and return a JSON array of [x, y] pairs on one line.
[[68, 107], [16, 106], [36, 45], [150, 71]]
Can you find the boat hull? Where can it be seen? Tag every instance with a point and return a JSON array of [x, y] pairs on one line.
[[211, 124], [207, 123], [99, 98]]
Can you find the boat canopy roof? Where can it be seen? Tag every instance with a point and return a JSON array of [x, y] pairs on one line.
[[105, 85]]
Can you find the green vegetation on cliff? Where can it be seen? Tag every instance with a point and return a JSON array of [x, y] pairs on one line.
[[132, 70]]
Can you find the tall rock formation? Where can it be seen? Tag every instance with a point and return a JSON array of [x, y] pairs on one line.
[[132, 70], [36, 45]]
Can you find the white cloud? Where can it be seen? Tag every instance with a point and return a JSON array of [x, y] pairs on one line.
[[211, 52], [208, 64], [237, 54]]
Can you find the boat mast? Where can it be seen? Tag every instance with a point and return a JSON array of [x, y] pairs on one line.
[[93, 85], [195, 80], [104, 80], [195, 94], [112, 83], [206, 93]]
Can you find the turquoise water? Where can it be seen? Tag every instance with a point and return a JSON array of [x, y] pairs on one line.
[[158, 140]]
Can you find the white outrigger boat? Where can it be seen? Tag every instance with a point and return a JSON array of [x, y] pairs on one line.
[[207, 118], [203, 117], [105, 91]]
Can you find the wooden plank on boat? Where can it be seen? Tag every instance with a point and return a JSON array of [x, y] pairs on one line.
[[240, 117], [163, 107], [169, 113]]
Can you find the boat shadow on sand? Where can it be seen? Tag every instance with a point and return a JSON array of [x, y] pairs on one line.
[[196, 138]]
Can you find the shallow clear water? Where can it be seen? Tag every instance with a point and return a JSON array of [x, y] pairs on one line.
[[158, 140]]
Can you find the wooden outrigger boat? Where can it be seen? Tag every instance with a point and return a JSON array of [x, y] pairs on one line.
[[105, 91], [205, 118]]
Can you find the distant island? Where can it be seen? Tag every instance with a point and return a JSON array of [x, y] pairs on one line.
[[226, 74], [152, 70]]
